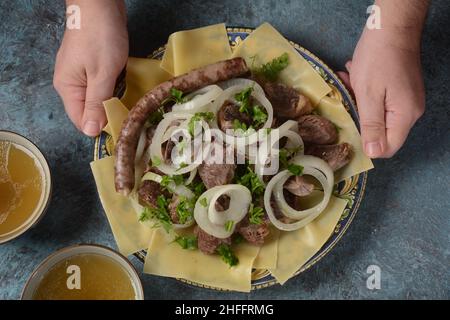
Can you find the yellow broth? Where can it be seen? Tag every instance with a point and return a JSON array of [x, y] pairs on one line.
[[21, 186], [100, 278]]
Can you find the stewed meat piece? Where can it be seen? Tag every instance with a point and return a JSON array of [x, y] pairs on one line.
[[230, 112], [317, 130], [207, 243], [287, 102], [337, 155], [253, 233], [299, 186], [214, 171], [148, 193]]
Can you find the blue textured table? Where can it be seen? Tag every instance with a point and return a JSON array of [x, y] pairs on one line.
[[403, 225]]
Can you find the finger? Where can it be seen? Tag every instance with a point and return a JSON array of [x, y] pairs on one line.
[[345, 79], [372, 120], [73, 100], [348, 66], [397, 130], [94, 118]]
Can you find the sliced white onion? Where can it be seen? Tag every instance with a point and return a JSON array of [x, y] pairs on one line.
[[213, 222], [267, 153], [200, 100], [229, 94], [141, 145], [180, 190], [155, 147], [242, 82], [313, 166]]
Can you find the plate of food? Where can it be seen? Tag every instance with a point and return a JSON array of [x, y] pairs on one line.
[[231, 160]]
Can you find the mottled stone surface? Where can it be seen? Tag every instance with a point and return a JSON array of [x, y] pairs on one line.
[[402, 226]]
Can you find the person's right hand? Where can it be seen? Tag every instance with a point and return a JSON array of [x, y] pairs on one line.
[[89, 62]]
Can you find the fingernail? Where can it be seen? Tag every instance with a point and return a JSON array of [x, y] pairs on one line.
[[373, 149], [91, 128]]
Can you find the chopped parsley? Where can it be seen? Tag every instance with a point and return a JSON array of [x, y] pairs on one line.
[[184, 209], [272, 69], [229, 225], [259, 116], [198, 188], [295, 169], [257, 113], [156, 116], [238, 125], [227, 255], [255, 214], [203, 202], [177, 95], [238, 239], [156, 161], [252, 182], [166, 180], [244, 98], [285, 153], [207, 116], [188, 242], [159, 213]]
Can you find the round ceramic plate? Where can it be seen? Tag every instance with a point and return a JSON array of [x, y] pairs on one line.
[[351, 189]]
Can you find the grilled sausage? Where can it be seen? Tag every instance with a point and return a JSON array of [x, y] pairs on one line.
[[132, 126], [287, 103]]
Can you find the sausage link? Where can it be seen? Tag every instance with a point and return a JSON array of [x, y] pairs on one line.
[[151, 101]]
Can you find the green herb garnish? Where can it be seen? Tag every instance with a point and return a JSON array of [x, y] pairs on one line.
[[160, 213], [177, 95], [184, 209], [272, 69], [207, 116], [295, 169], [166, 180], [244, 98], [252, 182], [255, 214], [238, 239], [259, 116], [188, 242], [203, 202], [198, 188], [156, 161], [229, 225], [156, 116], [227, 255]]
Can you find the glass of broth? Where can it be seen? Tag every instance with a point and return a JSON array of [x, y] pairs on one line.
[[84, 272], [25, 185]]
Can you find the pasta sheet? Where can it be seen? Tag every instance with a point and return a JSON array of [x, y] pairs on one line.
[[191, 49], [334, 110], [297, 247], [265, 43], [130, 235], [166, 258]]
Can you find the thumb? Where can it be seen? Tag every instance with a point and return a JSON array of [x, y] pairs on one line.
[[94, 118], [372, 119]]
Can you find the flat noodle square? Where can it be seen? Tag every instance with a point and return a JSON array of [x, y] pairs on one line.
[[166, 258], [116, 113], [191, 49], [268, 253], [142, 76], [130, 235], [334, 110], [265, 44], [297, 247]]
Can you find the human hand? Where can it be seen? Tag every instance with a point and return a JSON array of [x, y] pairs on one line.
[[386, 78], [90, 60]]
